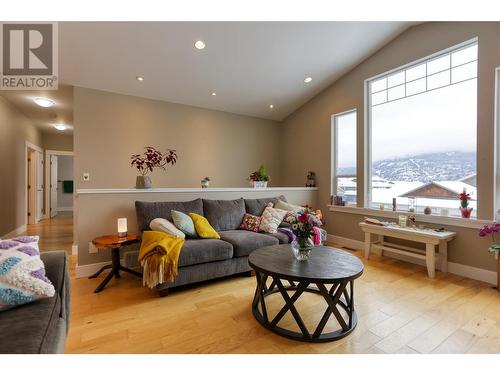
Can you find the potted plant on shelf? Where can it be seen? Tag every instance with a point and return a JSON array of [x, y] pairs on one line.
[[465, 210], [494, 248], [302, 225], [311, 179], [151, 159], [205, 183], [259, 178]]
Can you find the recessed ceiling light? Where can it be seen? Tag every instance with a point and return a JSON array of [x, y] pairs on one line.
[[214, 93], [44, 102], [271, 106], [139, 78], [60, 127], [307, 79], [199, 44]]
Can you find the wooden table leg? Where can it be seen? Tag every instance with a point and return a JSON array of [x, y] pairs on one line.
[[430, 259], [443, 256], [368, 245]]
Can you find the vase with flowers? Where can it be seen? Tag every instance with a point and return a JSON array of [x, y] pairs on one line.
[[151, 159], [302, 225], [490, 230], [464, 198]]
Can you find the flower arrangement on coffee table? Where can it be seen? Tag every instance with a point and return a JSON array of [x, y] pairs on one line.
[[302, 225]]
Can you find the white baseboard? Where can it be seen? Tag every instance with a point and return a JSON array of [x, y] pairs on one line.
[[89, 269], [74, 250], [64, 209], [475, 273], [470, 272], [347, 242], [15, 232]]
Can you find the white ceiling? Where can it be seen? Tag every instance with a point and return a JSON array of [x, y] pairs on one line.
[[248, 64], [45, 118]]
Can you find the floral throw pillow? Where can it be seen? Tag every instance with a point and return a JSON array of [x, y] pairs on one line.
[[271, 219], [22, 273], [251, 223]]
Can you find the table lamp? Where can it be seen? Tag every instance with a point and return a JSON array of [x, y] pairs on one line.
[[122, 227]]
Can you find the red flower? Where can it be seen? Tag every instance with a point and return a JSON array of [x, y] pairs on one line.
[[304, 217], [464, 196]]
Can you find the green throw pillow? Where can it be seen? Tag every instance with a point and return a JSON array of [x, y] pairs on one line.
[[184, 223]]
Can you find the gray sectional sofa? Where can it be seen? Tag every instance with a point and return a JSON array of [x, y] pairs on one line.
[[206, 259], [40, 327]]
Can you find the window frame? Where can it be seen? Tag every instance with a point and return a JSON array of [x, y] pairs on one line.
[[334, 151], [367, 188]]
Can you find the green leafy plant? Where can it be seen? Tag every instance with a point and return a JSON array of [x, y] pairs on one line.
[[260, 174]]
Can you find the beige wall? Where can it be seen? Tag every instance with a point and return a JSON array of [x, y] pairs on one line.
[[109, 128], [15, 130], [58, 142], [311, 123]]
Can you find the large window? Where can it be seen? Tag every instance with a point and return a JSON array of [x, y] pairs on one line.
[[422, 132], [344, 156]]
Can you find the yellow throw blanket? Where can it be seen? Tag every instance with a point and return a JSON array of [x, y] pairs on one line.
[[159, 256]]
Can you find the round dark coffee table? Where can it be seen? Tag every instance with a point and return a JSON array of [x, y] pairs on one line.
[[329, 272]]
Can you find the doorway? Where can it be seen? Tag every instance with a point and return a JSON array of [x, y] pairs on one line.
[[59, 174], [34, 184]]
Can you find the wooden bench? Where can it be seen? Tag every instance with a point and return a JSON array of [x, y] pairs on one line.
[[430, 237]]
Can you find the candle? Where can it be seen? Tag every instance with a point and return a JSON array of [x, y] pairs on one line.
[[381, 206], [402, 221], [122, 227], [444, 212]]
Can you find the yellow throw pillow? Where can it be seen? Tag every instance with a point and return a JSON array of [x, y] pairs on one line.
[[203, 227]]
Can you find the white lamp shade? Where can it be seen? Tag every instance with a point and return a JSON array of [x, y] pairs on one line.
[[122, 225]]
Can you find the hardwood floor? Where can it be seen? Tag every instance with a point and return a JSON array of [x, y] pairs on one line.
[[399, 310], [55, 233]]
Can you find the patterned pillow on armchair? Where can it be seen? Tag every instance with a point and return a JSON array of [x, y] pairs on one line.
[[22, 273]]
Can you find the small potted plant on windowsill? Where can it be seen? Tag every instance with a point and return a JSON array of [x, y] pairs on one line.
[[259, 178], [151, 159], [465, 210]]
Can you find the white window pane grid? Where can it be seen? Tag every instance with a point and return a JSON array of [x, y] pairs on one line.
[[415, 87], [448, 69], [464, 72], [416, 72], [396, 79], [438, 80]]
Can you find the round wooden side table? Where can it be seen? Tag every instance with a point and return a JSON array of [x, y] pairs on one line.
[[114, 243]]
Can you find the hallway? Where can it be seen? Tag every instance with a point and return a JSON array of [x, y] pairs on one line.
[[55, 233]]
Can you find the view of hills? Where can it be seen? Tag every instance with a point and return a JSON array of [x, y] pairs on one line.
[[442, 166]]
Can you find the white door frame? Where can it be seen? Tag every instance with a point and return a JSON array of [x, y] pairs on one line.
[[496, 161], [28, 146], [46, 214]]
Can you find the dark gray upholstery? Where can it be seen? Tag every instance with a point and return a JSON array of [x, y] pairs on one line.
[[257, 206], [282, 237], [208, 271], [204, 251], [206, 259], [40, 326], [224, 214], [244, 242], [147, 211]]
